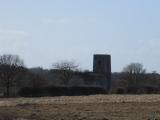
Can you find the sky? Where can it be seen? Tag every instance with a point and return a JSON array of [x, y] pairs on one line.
[[43, 32]]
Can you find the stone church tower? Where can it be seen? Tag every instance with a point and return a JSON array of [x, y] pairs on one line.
[[102, 66]]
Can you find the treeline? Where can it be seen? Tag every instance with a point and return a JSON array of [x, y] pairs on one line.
[[135, 80], [66, 79]]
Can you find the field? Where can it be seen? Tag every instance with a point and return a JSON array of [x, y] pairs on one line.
[[98, 107]]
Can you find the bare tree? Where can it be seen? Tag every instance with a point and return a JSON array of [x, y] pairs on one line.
[[10, 67], [65, 70], [133, 75]]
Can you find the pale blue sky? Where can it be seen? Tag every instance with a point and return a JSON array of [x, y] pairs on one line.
[[43, 32]]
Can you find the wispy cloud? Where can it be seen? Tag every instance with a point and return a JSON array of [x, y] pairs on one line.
[[73, 20], [54, 20], [13, 32]]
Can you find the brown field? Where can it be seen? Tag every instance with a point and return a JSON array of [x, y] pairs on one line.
[[99, 107]]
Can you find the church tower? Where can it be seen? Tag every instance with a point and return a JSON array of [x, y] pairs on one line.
[[102, 65]]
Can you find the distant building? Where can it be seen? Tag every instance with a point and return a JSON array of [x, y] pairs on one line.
[[102, 67]]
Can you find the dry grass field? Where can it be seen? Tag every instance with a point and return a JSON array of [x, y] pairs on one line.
[[98, 107]]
